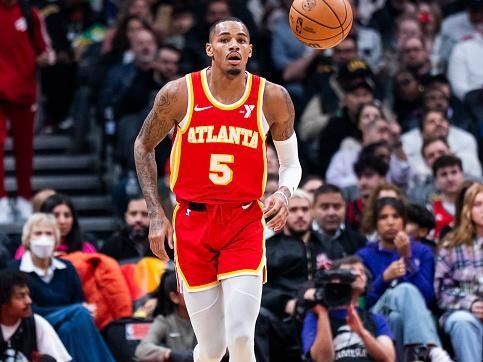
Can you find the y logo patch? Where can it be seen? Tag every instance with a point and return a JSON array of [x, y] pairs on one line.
[[248, 110]]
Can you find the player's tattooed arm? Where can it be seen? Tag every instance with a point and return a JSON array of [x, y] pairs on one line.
[[168, 109], [279, 110], [280, 113]]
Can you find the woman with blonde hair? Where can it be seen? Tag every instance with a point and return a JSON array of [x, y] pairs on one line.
[[459, 279], [56, 291]]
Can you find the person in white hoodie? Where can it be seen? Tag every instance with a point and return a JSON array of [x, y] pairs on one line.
[[465, 68]]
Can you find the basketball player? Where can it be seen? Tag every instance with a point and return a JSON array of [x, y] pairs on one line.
[[221, 116]]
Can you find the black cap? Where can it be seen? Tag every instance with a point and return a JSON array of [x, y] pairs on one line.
[[354, 74]]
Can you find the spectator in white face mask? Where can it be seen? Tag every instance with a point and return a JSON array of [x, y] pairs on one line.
[[56, 291]]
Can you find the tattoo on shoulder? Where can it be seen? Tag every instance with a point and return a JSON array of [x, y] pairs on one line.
[[159, 122], [288, 123]]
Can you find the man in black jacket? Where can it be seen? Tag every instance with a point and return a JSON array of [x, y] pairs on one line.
[[329, 214], [131, 242], [293, 257]]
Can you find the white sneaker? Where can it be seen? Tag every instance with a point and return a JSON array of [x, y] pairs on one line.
[[24, 208], [6, 215], [437, 354]]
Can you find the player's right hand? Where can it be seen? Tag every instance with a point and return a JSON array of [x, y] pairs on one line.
[[159, 229]]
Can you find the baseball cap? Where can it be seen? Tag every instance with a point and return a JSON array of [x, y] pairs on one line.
[[354, 74]]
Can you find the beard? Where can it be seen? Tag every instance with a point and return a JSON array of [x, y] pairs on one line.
[[298, 233], [138, 234]]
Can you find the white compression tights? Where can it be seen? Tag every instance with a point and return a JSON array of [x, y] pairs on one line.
[[226, 316]]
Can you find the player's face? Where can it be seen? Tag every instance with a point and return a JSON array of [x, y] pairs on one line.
[[230, 47]]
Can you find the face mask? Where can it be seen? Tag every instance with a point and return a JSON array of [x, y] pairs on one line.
[[42, 247]]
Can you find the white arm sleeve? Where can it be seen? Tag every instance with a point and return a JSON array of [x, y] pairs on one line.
[[290, 172]]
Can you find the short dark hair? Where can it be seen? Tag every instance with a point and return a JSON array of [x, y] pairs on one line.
[[396, 204], [431, 140], [169, 47], [420, 216], [167, 285], [310, 178], [446, 161], [134, 198], [327, 189], [347, 260], [9, 279], [370, 162], [229, 18]]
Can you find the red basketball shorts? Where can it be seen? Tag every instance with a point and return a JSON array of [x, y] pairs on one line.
[[217, 242]]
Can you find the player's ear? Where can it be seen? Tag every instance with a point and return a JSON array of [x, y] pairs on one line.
[[250, 53], [209, 49]]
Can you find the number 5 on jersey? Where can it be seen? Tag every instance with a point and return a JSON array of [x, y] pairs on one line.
[[220, 172]]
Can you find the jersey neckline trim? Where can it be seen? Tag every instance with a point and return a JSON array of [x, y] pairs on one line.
[[223, 106]]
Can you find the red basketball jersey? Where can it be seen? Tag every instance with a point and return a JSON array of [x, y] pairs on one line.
[[219, 152]]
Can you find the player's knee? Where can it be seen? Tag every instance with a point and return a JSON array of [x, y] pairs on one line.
[[213, 353], [240, 340]]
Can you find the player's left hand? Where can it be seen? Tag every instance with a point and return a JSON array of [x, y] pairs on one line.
[[275, 211]]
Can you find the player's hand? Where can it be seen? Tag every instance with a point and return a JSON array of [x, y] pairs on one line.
[[402, 244], [43, 59], [275, 211], [159, 229], [395, 270], [354, 321]]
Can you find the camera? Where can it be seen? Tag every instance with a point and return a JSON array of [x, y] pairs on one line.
[[333, 287]]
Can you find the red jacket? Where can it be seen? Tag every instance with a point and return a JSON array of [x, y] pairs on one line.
[[18, 54], [104, 285]]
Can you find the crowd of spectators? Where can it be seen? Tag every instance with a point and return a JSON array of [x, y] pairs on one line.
[[390, 126]]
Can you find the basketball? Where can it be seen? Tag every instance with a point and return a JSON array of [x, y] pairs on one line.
[[320, 24]]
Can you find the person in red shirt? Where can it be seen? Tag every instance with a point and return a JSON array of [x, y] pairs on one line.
[[221, 116], [448, 177], [24, 47]]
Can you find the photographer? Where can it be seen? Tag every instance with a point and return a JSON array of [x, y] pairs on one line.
[[338, 330]]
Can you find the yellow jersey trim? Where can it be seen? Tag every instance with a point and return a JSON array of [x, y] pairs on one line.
[[217, 104], [175, 156]]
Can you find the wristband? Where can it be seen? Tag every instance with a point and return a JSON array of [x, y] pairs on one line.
[[284, 196]]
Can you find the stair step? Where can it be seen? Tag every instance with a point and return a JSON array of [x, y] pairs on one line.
[[45, 142], [87, 203], [55, 162], [87, 224], [59, 183]]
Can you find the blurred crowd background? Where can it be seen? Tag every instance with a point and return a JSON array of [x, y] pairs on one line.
[[395, 111]]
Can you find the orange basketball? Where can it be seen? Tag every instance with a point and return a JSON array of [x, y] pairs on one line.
[[320, 24]]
